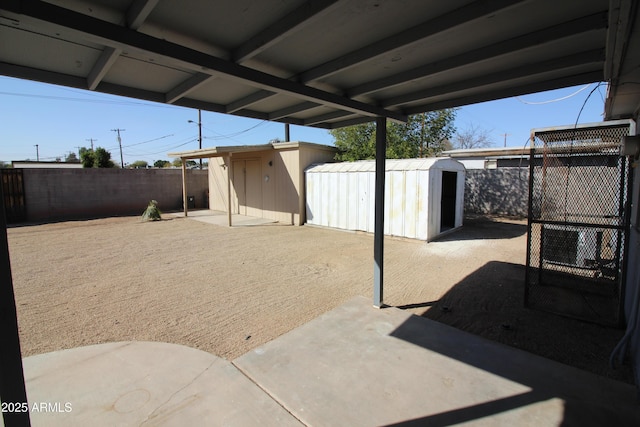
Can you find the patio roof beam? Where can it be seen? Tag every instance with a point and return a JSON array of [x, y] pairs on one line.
[[311, 121], [187, 86], [302, 16], [135, 16], [592, 58], [588, 77], [595, 22], [284, 112], [434, 26], [250, 99]]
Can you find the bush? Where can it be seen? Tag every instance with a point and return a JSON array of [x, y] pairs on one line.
[[152, 213]]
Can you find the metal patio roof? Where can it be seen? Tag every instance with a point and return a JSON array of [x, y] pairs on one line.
[[323, 63]]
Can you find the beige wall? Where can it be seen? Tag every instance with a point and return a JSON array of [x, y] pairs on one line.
[[281, 181]]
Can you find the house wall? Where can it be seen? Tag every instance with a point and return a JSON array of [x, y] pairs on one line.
[[59, 194], [631, 340]]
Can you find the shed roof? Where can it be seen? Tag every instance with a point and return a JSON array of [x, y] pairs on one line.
[[443, 163], [205, 153]]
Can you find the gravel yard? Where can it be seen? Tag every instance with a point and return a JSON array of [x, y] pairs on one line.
[[229, 290]]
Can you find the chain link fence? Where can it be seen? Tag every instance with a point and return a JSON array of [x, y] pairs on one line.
[[578, 222]]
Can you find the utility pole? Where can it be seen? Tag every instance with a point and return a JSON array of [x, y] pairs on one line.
[[199, 132], [120, 144], [505, 138], [37, 153], [91, 140]]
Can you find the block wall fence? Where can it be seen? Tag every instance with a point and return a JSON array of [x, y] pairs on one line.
[[59, 194]]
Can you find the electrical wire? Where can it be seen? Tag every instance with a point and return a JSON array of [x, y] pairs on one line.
[[554, 100]]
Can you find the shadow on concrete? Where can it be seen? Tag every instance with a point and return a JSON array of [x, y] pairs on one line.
[[583, 402], [490, 303], [471, 413], [480, 227]]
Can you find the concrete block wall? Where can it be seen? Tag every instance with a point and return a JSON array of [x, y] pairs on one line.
[[502, 191], [59, 194]]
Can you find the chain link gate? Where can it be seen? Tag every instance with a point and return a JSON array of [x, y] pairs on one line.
[[579, 208]]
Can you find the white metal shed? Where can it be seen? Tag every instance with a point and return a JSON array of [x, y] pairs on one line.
[[423, 197]]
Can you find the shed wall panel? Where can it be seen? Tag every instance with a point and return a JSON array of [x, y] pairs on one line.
[[363, 201], [396, 207], [410, 203], [371, 218], [342, 191], [353, 201], [423, 206], [434, 196]]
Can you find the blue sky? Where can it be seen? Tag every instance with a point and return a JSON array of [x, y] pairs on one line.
[[61, 119]]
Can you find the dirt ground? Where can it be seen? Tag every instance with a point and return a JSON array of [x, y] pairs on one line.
[[229, 290]]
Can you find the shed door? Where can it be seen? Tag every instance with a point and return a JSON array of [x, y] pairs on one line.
[[448, 200], [248, 186]]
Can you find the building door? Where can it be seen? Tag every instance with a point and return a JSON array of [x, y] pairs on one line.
[[448, 201], [248, 187]]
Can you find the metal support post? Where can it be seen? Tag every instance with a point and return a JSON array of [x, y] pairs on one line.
[[12, 386], [378, 237]]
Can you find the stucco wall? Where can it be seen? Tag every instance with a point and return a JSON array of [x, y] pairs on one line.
[[56, 194], [502, 191], [281, 180]]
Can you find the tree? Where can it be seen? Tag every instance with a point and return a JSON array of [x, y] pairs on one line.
[[423, 135], [177, 162], [98, 158], [161, 164], [71, 158], [139, 164], [103, 158], [472, 137], [87, 157]]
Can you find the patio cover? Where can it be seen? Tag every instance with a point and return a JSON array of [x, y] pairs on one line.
[[322, 63]]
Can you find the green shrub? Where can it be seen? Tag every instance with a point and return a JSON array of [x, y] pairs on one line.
[[152, 213]]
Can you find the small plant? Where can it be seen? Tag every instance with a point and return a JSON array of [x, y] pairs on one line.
[[152, 213]]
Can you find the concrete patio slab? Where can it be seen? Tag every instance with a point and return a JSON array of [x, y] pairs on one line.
[[222, 218], [358, 366], [353, 366], [144, 383]]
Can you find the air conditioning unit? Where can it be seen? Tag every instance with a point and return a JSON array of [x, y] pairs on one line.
[[571, 246]]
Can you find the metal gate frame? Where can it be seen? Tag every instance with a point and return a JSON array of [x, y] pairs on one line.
[[14, 197], [578, 221]]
